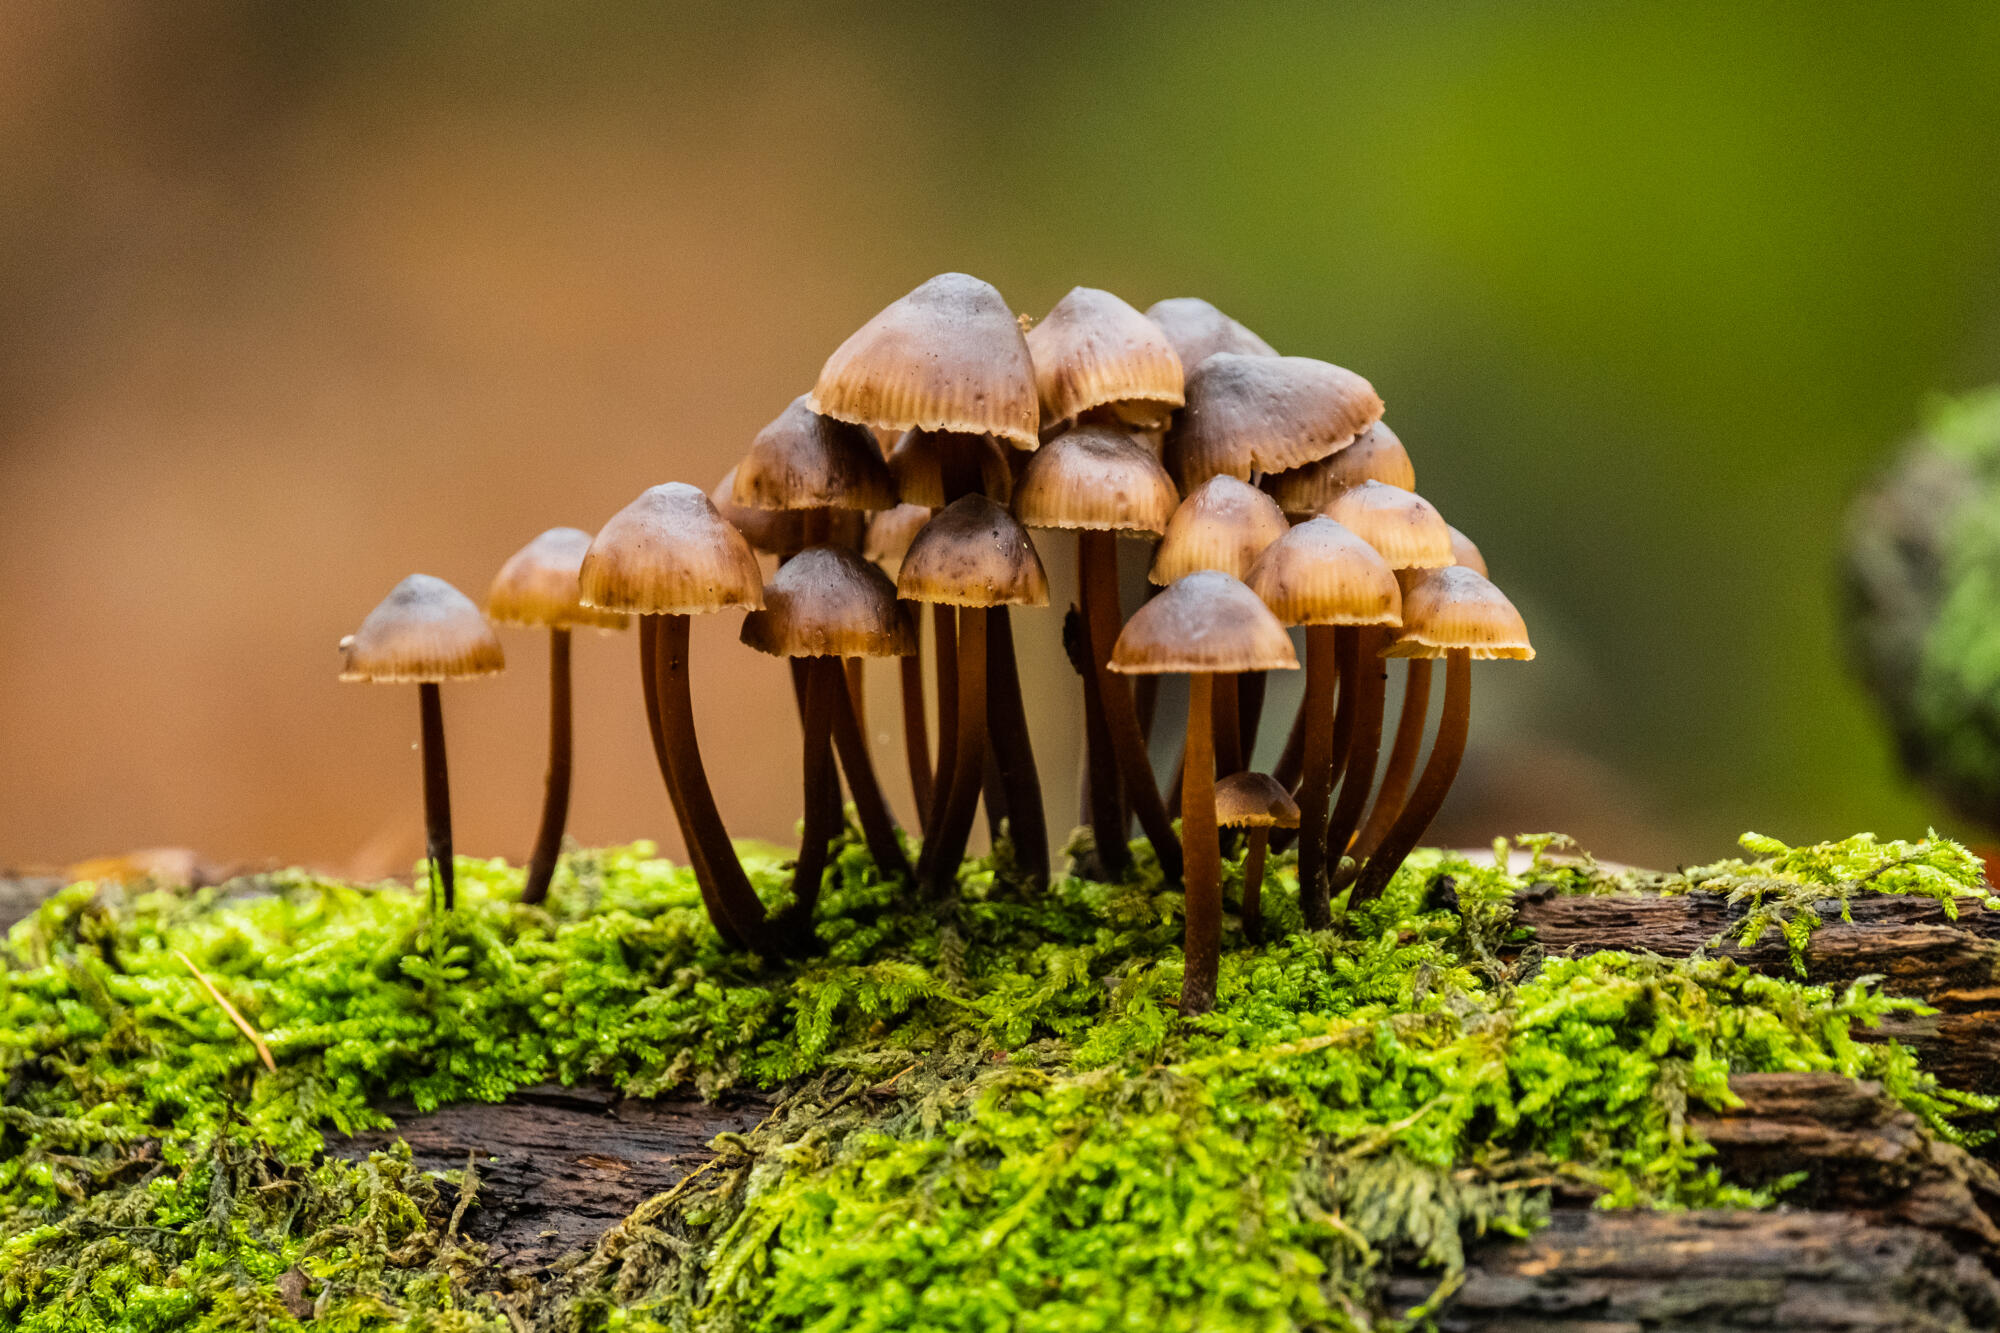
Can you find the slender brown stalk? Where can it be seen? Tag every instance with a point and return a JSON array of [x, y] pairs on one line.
[[1101, 804], [944, 844], [1370, 677], [1013, 749], [825, 686], [857, 690], [916, 733], [1253, 883], [649, 679], [878, 826], [944, 667], [1446, 752], [1201, 854], [1326, 649], [437, 794], [1249, 713], [1292, 758], [1402, 759], [1228, 726], [555, 797], [1097, 565]]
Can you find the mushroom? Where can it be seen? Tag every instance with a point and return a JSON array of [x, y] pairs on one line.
[[424, 632], [1254, 801], [825, 605], [1322, 576], [667, 556], [1375, 455], [1251, 414], [972, 555], [1464, 552], [1198, 331], [538, 587], [1202, 625], [1457, 614], [933, 468], [1100, 482], [1095, 354]]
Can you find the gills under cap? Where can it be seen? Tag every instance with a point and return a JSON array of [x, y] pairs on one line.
[[424, 631], [1198, 331], [1224, 524], [1095, 351], [1319, 573], [1250, 414], [1457, 607], [670, 552], [1406, 528], [1375, 455], [1096, 478], [538, 585], [803, 460], [973, 553], [1254, 800], [829, 602], [1206, 622]]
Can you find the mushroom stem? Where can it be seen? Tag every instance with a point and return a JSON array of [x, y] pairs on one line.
[[857, 689], [944, 632], [437, 793], [1202, 854], [1253, 883], [649, 679], [1101, 804], [1291, 759], [825, 684], [1249, 713], [555, 799], [1371, 675], [1228, 726], [1425, 801], [1402, 758], [1097, 565], [878, 826], [944, 843], [726, 888], [916, 734], [1327, 649], [1013, 749]]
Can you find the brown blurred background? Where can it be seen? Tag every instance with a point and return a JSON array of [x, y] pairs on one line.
[[296, 299]]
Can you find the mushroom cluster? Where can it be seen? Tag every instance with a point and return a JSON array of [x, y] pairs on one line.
[[940, 433]]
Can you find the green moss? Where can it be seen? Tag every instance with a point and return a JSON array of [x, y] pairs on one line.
[[994, 1118]]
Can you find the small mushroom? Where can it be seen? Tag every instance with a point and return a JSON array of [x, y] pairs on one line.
[[1093, 353], [1202, 625], [1464, 552], [538, 587], [1251, 414], [1254, 801], [1198, 331], [425, 632], [1375, 455]]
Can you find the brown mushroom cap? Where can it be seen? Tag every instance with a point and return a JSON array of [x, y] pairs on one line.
[[1456, 607], [948, 356], [890, 534], [1375, 455], [1094, 350], [1249, 414], [829, 602], [1205, 622], [670, 552], [1224, 524], [538, 585], [1465, 552], [1097, 478], [1254, 800], [917, 464], [778, 531], [1319, 573], [1406, 528], [1198, 331], [424, 631], [973, 553], [803, 460]]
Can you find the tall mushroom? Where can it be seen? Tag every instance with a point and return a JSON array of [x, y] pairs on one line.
[[1457, 614], [665, 557], [1100, 482], [1202, 625], [1252, 414], [1097, 357], [972, 555], [538, 587], [1254, 801], [425, 632], [1324, 577]]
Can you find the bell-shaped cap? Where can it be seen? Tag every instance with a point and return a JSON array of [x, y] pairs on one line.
[[973, 553], [1224, 524], [1205, 622], [829, 602], [1375, 455], [1094, 351], [1198, 331], [1250, 414], [1406, 528], [1254, 800], [424, 631], [919, 459], [1456, 607], [776, 531], [1465, 552], [890, 534], [949, 356], [538, 585], [670, 552], [1319, 573], [803, 460], [1097, 478]]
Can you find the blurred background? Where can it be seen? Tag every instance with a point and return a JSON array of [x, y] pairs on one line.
[[296, 299]]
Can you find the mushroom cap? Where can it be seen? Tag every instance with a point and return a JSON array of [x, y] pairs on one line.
[[1248, 414], [1198, 331], [1097, 478], [829, 602], [1465, 552], [948, 356], [1205, 622], [1254, 800], [890, 533], [803, 460], [1375, 455], [1093, 350], [778, 531], [917, 464], [1319, 573], [1457, 607], [1224, 524], [425, 630], [671, 552], [1406, 528], [538, 585], [973, 553]]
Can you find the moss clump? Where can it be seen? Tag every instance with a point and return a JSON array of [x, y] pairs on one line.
[[994, 1117]]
